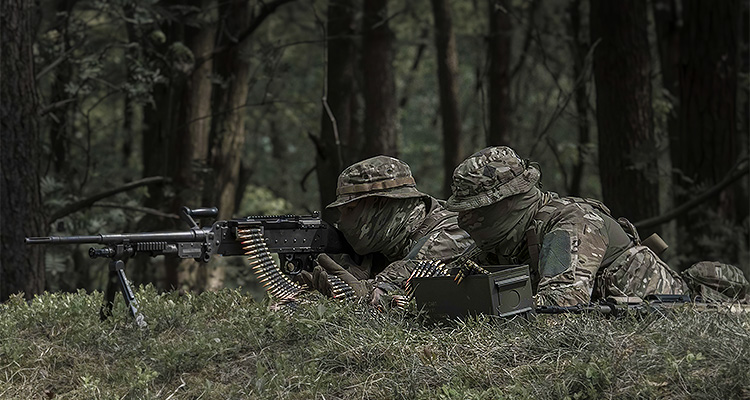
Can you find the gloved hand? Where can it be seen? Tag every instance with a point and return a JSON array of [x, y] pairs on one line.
[[317, 279], [361, 288], [345, 260]]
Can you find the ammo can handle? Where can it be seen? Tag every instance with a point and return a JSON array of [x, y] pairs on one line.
[[511, 281]]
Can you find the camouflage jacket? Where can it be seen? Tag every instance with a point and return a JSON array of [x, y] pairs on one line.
[[575, 240], [437, 237]]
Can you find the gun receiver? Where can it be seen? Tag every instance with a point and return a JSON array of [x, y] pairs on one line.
[[297, 239]]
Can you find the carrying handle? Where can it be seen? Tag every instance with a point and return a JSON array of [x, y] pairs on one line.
[[187, 214]]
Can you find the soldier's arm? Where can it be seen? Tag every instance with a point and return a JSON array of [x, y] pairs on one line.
[[571, 253]]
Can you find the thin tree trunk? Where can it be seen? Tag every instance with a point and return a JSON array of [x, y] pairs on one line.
[[159, 148], [58, 132], [381, 119], [578, 49], [191, 132], [228, 125], [355, 138], [229, 100], [499, 53], [447, 62], [668, 21], [154, 152], [336, 117], [622, 68], [21, 266]]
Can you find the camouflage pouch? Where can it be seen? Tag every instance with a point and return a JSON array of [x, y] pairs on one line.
[[638, 272], [715, 281]]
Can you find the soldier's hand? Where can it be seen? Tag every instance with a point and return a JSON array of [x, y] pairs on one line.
[[329, 266], [317, 280], [345, 260]]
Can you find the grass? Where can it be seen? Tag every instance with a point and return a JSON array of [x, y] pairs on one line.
[[226, 345]]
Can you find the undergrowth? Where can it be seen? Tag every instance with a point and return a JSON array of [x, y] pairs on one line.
[[226, 345]]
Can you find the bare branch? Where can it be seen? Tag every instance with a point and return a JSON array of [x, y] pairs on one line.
[[89, 201], [58, 61], [144, 210], [561, 107], [265, 11], [735, 174], [304, 178]]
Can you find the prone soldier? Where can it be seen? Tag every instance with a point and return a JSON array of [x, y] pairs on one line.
[[383, 215], [575, 250]]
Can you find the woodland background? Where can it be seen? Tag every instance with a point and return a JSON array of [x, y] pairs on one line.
[[114, 114]]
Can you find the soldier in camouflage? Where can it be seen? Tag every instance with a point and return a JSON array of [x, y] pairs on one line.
[[576, 250], [382, 212]]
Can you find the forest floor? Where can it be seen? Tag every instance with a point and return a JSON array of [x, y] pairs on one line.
[[227, 345]]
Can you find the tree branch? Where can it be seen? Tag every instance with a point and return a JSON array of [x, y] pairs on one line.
[[265, 11], [735, 174], [526, 40], [144, 210], [87, 202], [307, 175]]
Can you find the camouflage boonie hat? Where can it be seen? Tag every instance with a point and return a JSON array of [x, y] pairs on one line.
[[489, 176], [717, 281], [381, 176]]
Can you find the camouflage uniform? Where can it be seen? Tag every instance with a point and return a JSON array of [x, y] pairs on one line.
[[576, 250], [383, 212]]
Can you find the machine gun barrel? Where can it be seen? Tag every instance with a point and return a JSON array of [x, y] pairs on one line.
[[181, 236]]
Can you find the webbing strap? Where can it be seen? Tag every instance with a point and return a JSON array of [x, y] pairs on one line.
[[532, 241], [380, 185]]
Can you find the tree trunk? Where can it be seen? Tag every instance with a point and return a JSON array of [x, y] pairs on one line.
[[190, 135], [447, 62], [192, 128], [339, 93], [175, 138], [622, 68], [667, 21], [155, 148], [161, 145], [578, 49], [381, 119], [228, 125], [21, 266], [705, 144], [59, 123], [229, 99], [501, 30]]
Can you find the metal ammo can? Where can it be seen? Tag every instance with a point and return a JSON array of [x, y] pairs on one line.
[[504, 292]]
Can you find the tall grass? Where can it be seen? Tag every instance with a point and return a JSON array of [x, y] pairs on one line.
[[226, 345]]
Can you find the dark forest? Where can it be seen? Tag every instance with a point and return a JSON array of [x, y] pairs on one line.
[[114, 114]]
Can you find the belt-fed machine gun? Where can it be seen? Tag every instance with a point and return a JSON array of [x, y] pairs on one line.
[[297, 239]]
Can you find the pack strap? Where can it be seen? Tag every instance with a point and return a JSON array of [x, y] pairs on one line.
[[433, 218], [532, 241]]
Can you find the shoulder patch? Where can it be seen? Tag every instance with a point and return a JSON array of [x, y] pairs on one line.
[[555, 256]]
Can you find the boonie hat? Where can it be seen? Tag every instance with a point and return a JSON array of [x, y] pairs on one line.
[[488, 176], [377, 176]]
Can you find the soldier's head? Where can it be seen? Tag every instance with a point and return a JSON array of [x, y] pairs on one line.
[[488, 176], [492, 191], [378, 203]]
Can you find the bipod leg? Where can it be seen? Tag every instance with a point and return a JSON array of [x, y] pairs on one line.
[[118, 268], [109, 295]]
